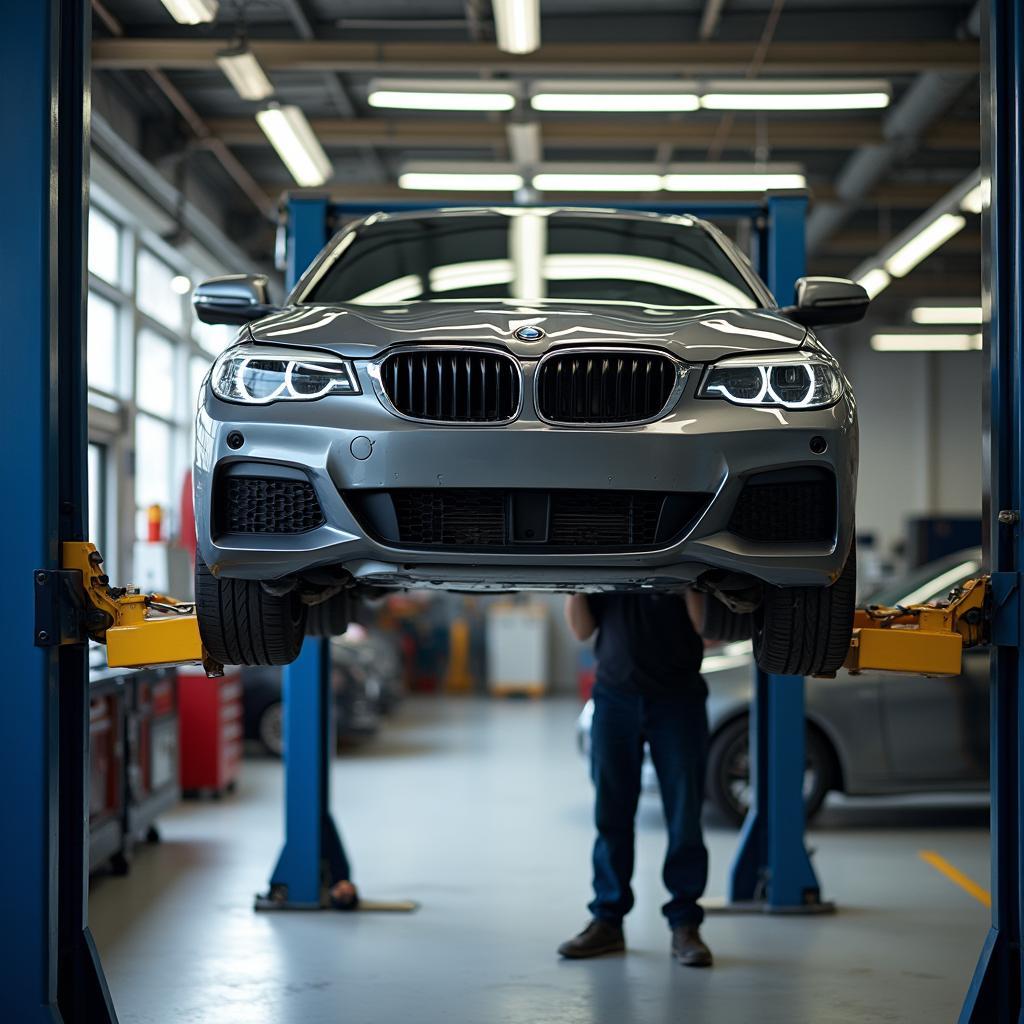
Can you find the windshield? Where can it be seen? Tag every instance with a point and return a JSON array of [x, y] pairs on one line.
[[931, 582], [530, 256]]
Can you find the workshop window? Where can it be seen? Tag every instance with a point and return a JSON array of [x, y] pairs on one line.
[[98, 495], [155, 294], [102, 340], [154, 456], [154, 376], [213, 338], [104, 246]]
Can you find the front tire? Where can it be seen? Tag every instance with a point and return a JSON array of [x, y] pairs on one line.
[[330, 617], [721, 624], [805, 631], [240, 623]]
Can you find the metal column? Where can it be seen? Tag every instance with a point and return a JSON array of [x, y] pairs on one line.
[[51, 964], [994, 996], [313, 858], [772, 869]]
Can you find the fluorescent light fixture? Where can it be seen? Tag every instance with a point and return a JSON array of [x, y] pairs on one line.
[[244, 72], [614, 97], [946, 314], [584, 181], [796, 95], [924, 243], [874, 282], [733, 177], [517, 25], [896, 342], [180, 284], [528, 247], [461, 181], [191, 12], [978, 198], [298, 147], [441, 94]]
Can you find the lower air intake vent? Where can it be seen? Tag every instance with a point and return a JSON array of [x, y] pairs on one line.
[[786, 507], [252, 504], [544, 521]]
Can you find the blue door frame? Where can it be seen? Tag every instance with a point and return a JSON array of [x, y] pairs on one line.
[[772, 867]]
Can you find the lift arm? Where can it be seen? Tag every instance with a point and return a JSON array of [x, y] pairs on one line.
[[140, 630], [922, 639]]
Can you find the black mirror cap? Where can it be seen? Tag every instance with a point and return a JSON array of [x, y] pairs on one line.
[[828, 300], [233, 299]]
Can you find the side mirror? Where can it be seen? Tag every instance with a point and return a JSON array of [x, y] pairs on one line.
[[234, 299], [827, 300]]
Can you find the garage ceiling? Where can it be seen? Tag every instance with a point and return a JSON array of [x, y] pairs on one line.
[[870, 172]]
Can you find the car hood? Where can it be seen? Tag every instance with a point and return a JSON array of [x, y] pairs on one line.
[[694, 335]]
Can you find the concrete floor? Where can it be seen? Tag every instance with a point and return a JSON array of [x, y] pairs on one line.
[[481, 812]]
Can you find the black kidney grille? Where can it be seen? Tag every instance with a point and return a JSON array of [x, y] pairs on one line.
[[249, 504], [458, 518], [525, 519], [452, 385], [786, 511], [604, 387]]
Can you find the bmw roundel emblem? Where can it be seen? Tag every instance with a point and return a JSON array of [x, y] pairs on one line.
[[529, 333]]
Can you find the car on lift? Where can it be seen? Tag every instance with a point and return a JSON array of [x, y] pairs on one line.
[[872, 734], [519, 399]]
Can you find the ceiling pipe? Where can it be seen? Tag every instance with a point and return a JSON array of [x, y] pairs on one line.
[[927, 98]]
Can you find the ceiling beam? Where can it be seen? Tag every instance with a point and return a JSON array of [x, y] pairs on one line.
[[606, 58], [893, 196], [596, 133]]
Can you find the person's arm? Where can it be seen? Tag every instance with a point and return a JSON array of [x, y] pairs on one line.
[[695, 606], [579, 616]]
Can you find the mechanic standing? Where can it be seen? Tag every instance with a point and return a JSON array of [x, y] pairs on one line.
[[648, 689]]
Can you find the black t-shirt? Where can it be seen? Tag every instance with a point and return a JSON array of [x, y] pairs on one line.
[[646, 644]]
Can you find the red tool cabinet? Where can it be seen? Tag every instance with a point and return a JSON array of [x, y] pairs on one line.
[[210, 717]]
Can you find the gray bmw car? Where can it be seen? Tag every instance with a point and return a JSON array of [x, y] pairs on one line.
[[513, 399]]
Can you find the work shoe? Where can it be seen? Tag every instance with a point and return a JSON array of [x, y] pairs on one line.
[[597, 939], [688, 947]]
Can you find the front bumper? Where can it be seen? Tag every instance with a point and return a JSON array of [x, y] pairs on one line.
[[353, 443]]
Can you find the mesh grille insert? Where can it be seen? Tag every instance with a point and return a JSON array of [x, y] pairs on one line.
[[452, 385], [604, 387], [777, 509], [251, 504], [520, 520]]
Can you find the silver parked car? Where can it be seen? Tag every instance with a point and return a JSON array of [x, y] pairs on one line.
[[512, 399], [867, 735]]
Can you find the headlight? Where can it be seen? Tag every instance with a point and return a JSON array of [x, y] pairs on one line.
[[790, 381], [258, 375]]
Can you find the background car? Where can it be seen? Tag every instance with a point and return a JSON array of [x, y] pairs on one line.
[[366, 681], [871, 734]]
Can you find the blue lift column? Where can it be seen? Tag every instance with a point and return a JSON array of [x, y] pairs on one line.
[[51, 969], [772, 869], [313, 858], [994, 996]]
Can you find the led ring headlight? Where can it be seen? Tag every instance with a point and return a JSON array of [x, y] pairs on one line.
[[789, 381], [259, 374]]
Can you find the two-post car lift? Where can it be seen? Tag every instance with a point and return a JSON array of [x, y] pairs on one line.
[[57, 597]]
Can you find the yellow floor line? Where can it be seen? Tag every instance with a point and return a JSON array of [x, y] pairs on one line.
[[956, 877]]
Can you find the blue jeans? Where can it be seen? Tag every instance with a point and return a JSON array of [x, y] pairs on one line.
[[676, 730]]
